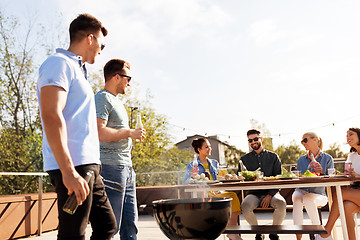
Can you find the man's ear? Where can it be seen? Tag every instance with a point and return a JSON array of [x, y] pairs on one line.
[[90, 39]]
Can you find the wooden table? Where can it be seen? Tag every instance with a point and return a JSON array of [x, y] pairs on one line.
[[325, 181]]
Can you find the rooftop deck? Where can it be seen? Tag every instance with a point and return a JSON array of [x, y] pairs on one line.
[[149, 230]]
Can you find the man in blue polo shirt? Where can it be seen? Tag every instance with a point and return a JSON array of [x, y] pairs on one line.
[[70, 137]]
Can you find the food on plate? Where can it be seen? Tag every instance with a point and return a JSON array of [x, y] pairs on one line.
[[231, 176], [271, 178], [287, 175], [310, 174], [249, 175], [199, 178]]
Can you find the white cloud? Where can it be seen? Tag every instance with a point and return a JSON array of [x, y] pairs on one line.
[[152, 24], [164, 81], [265, 32]]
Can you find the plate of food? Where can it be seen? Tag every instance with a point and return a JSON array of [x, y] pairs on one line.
[[287, 176], [308, 174], [249, 175], [230, 178], [271, 178]]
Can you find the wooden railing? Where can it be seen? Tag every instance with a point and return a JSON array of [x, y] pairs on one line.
[[21, 207]]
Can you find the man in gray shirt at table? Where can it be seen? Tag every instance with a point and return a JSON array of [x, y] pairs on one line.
[[269, 163]]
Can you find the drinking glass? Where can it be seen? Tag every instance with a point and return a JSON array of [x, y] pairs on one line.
[[296, 172], [260, 176], [348, 166], [331, 172]]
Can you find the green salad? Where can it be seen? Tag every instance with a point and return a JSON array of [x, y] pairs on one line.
[[249, 175]]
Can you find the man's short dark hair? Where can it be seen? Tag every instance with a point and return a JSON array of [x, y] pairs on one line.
[[84, 25], [114, 66], [253, 131]]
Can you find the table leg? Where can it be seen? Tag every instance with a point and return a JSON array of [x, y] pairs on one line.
[[329, 194], [342, 212]]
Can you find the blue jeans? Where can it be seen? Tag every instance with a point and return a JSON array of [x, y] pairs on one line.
[[120, 186]]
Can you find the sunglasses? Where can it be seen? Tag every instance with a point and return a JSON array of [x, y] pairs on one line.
[[102, 45], [254, 139], [305, 140], [122, 75]]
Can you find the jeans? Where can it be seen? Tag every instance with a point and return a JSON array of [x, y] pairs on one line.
[[302, 198], [120, 184], [251, 202], [95, 208]]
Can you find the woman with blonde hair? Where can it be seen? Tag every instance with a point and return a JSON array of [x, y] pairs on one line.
[[311, 197]]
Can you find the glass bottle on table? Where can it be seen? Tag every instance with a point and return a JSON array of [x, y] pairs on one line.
[[242, 166]]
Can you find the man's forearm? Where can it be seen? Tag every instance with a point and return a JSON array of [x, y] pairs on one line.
[[108, 134]]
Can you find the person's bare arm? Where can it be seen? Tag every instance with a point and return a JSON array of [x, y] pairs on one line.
[[108, 134], [266, 201], [53, 100]]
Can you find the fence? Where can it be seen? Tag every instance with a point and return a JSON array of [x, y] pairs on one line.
[[40, 195]]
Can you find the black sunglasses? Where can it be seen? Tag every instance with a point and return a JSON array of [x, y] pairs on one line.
[[102, 45], [254, 139], [305, 140], [122, 75]]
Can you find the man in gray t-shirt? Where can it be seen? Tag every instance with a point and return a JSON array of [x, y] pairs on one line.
[[115, 147]]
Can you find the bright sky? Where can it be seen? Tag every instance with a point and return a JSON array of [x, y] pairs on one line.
[[214, 65]]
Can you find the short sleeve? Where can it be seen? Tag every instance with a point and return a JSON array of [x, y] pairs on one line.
[[55, 71], [103, 106]]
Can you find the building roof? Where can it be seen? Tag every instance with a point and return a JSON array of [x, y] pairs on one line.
[[215, 137]]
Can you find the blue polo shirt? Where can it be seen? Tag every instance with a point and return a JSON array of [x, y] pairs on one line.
[[64, 69]]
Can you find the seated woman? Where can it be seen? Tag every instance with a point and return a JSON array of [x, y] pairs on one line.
[[351, 194], [203, 148], [311, 197]]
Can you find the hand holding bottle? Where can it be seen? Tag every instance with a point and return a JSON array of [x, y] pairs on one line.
[[315, 165], [195, 168], [72, 202], [141, 132]]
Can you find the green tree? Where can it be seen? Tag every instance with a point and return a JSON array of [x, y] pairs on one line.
[[156, 153], [20, 142], [232, 156], [289, 153], [17, 79], [334, 151], [20, 153]]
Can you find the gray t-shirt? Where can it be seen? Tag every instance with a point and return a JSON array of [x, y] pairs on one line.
[[110, 108]]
